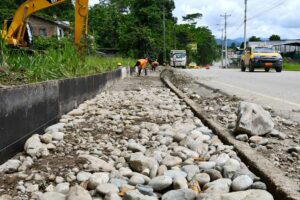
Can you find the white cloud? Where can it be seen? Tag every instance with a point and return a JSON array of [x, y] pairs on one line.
[[93, 2], [265, 17]]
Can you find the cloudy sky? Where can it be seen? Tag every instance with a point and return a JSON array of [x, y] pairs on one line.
[[266, 17]]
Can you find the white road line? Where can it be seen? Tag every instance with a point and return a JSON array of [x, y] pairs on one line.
[[258, 94]]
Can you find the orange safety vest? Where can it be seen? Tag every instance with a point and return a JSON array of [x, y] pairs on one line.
[[143, 63]]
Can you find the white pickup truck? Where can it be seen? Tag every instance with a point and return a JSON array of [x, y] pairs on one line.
[[178, 58]]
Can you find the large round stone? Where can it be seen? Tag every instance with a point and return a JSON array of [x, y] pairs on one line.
[[160, 183]]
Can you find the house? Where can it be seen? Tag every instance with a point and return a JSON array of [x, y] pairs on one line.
[[287, 48], [284, 46], [48, 28]]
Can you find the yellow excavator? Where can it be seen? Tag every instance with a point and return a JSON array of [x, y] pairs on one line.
[[14, 32]]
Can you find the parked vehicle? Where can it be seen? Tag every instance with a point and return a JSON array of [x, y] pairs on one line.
[[261, 57], [178, 58]]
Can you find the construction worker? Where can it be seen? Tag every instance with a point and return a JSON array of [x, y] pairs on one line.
[[154, 65], [142, 65], [123, 70], [120, 66]]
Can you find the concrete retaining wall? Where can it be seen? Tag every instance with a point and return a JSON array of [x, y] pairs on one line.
[[28, 109]]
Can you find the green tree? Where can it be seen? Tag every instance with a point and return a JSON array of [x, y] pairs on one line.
[[254, 39], [207, 49], [64, 11], [274, 38], [191, 18], [233, 45]]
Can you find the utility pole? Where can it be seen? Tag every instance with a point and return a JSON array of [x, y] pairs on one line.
[[164, 27], [175, 37], [225, 38], [245, 26], [222, 53]]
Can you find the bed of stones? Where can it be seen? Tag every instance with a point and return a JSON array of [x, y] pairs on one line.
[[277, 138], [132, 145]]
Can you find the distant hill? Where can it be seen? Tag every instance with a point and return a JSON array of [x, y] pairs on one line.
[[237, 41]]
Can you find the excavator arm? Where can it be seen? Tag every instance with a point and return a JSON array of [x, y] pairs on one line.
[[14, 35]]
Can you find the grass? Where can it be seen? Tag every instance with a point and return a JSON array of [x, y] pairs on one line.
[[291, 66], [22, 68]]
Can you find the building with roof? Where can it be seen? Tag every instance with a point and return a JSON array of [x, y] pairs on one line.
[[287, 48], [48, 28]]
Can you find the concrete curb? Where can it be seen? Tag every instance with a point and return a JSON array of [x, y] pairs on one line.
[[278, 184], [28, 109]]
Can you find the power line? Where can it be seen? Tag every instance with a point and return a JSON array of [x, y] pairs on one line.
[[279, 3]]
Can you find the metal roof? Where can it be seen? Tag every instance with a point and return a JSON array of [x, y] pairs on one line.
[[276, 43]]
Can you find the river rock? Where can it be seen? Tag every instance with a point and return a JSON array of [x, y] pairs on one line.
[[135, 147], [83, 176], [248, 195], [78, 193], [112, 196], [259, 186], [175, 173], [46, 138], [182, 194], [191, 170], [62, 188], [33, 145], [253, 120], [55, 127], [160, 183], [107, 188], [10, 166], [241, 183], [207, 165], [242, 137], [139, 163], [145, 189], [97, 164], [136, 179], [180, 183], [230, 167], [171, 161], [221, 159], [136, 195], [202, 178], [5, 197], [214, 174], [52, 196], [97, 179], [118, 182], [161, 170], [198, 147], [221, 185], [58, 136], [258, 140]]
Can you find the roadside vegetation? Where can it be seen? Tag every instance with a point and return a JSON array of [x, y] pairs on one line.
[[288, 66], [131, 27], [55, 61]]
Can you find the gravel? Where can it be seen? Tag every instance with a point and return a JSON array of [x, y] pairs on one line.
[[139, 143]]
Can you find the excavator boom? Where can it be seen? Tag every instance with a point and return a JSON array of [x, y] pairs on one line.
[[14, 35]]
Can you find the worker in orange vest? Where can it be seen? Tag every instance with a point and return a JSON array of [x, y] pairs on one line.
[[142, 65], [154, 65]]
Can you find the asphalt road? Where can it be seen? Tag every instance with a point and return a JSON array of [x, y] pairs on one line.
[[281, 91]]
